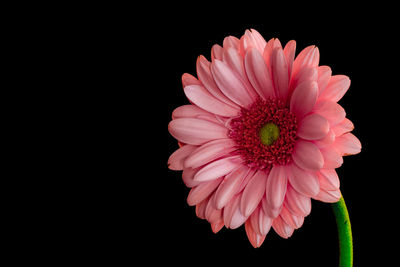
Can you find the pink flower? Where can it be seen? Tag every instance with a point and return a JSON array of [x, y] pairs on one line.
[[262, 136]]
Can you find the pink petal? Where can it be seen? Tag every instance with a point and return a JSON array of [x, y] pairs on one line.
[[328, 196], [209, 152], [292, 220], [304, 182], [324, 75], [258, 74], [297, 203], [289, 51], [231, 41], [230, 186], [332, 111], [202, 191], [254, 219], [251, 39], [343, 127], [188, 79], [192, 111], [216, 52], [217, 226], [313, 127], [276, 186], [230, 84], [328, 179], [212, 214], [280, 73], [204, 73], [327, 140], [271, 212], [201, 208], [255, 239], [268, 50], [348, 144], [304, 98], [332, 159], [308, 57], [233, 218], [282, 228], [337, 87], [175, 161], [195, 131], [217, 169], [305, 74], [203, 99], [307, 155], [188, 176], [253, 193], [264, 222]]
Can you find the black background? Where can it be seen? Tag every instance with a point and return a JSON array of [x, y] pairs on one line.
[[152, 198]]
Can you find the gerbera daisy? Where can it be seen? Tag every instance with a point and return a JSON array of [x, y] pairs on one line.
[[262, 136]]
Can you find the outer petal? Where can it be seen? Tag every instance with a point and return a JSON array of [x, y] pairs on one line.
[[289, 51], [251, 39], [332, 111], [348, 144], [202, 98], [217, 169], [202, 191], [195, 131], [324, 75], [292, 220], [188, 175], [253, 193], [307, 155], [297, 203], [332, 158], [276, 187], [230, 186], [308, 57], [304, 98], [216, 52], [343, 127], [255, 239], [231, 41], [328, 179], [282, 228], [264, 222], [175, 161], [233, 217], [327, 140], [209, 151], [337, 87], [280, 73], [230, 84], [188, 79], [313, 127], [304, 182], [258, 74], [328, 196]]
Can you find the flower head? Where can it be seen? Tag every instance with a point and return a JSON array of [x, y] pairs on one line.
[[262, 136]]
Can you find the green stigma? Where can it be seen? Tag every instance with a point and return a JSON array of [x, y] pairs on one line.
[[269, 133]]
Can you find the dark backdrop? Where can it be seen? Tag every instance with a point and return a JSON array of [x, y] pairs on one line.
[[158, 219]]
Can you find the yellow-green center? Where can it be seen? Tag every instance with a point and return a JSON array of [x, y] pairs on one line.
[[269, 133]]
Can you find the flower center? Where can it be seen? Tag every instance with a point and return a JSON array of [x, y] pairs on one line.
[[264, 134], [269, 133]]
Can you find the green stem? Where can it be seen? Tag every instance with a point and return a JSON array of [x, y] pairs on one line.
[[344, 230]]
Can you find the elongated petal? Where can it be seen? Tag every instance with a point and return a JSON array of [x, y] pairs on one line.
[[188, 79], [271, 45], [217, 226], [231, 41], [264, 223], [332, 158], [290, 51], [328, 179], [232, 215], [332, 111], [216, 52], [230, 186], [195, 131], [280, 73], [307, 155], [304, 98], [175, 161], [324, 75], [304, 182], [201, 208], [217, 169], [308, 57], [297, 203], [253, 193], [343, 127], [230, 84], [251, 39], [327, 140], [255, 239], [189, 111], [348, 144], [209, 152], [203, 68], [202, 191], [282, 228], [328, 196], [336, 88], [258, 74], [212, 213], [188, 176], [203, 99], [268, 210], [313, 127], [276, 186], [291, 219]]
